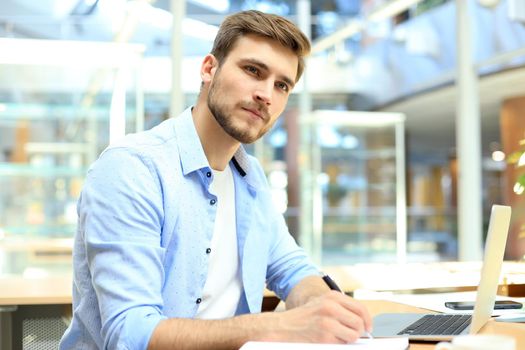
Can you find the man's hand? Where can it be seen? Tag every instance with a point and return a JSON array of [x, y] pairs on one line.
[[330, 318], [316, 315]]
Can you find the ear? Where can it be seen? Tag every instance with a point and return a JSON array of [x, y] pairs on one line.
[[208, 68]]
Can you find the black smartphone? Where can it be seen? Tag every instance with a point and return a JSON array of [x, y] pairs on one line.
[[469, 305]]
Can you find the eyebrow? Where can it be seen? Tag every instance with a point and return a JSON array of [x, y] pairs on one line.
[[265, 67]]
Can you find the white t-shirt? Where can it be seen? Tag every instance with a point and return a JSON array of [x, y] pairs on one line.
[[223, 286]]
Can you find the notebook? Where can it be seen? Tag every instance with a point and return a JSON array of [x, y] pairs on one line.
[[411, 325], [360, 344]]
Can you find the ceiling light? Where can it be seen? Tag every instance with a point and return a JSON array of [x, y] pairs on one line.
[[518, 188], [498, 156], [328, 136], [349, 142], [278, 138]]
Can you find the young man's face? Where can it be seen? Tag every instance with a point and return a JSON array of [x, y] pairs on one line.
[[251, 88]]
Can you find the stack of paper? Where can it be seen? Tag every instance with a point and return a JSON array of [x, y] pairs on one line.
[[361, 344]]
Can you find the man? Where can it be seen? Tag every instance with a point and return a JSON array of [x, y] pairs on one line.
[[177, 235]]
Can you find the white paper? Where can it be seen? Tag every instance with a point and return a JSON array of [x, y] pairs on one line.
[[361, 344]]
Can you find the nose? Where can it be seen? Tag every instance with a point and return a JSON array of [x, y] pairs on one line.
[[263, 93]]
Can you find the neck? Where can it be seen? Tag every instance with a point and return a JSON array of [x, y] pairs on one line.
[[219, 147]]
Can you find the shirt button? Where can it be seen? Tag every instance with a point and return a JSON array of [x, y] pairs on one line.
[[213, 201], [208, 250], [198, 301], [208, 174]]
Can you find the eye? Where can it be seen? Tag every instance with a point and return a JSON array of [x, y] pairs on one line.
[[252, 70], [282, 86]]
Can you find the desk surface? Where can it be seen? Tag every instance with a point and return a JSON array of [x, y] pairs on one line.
[[57, 290], [516, 330], [35, 291]]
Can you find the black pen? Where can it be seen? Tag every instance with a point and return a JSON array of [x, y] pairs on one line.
[[330, 283], [333, 286]]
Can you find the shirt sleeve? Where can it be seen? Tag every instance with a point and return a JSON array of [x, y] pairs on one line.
[[121, 216], [288, 263]]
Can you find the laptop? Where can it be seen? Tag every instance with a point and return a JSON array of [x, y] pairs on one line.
[[438, 327]]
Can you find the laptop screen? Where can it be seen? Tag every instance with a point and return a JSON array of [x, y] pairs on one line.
[[492, 261]]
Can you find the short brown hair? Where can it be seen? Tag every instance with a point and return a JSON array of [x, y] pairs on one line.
[[266, 25]]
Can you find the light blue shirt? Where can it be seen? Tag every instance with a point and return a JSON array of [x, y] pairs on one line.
[[146, 219]]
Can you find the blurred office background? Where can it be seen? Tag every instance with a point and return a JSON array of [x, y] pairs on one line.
[[408, 126]]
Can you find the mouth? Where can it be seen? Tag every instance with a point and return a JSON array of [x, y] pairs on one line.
[[254, 112]]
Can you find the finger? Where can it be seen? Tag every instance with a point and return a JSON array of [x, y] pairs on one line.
[[346, 334], [349, 336], [334, 308], [364, 314], [333, 331], [357, 308], [351, 320]]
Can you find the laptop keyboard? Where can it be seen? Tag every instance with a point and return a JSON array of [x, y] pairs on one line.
[[438, 325]]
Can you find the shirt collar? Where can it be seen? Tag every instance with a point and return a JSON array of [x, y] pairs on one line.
[[192, 154], [241, 162]]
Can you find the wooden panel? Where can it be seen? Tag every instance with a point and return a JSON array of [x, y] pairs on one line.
[[512, 119]]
